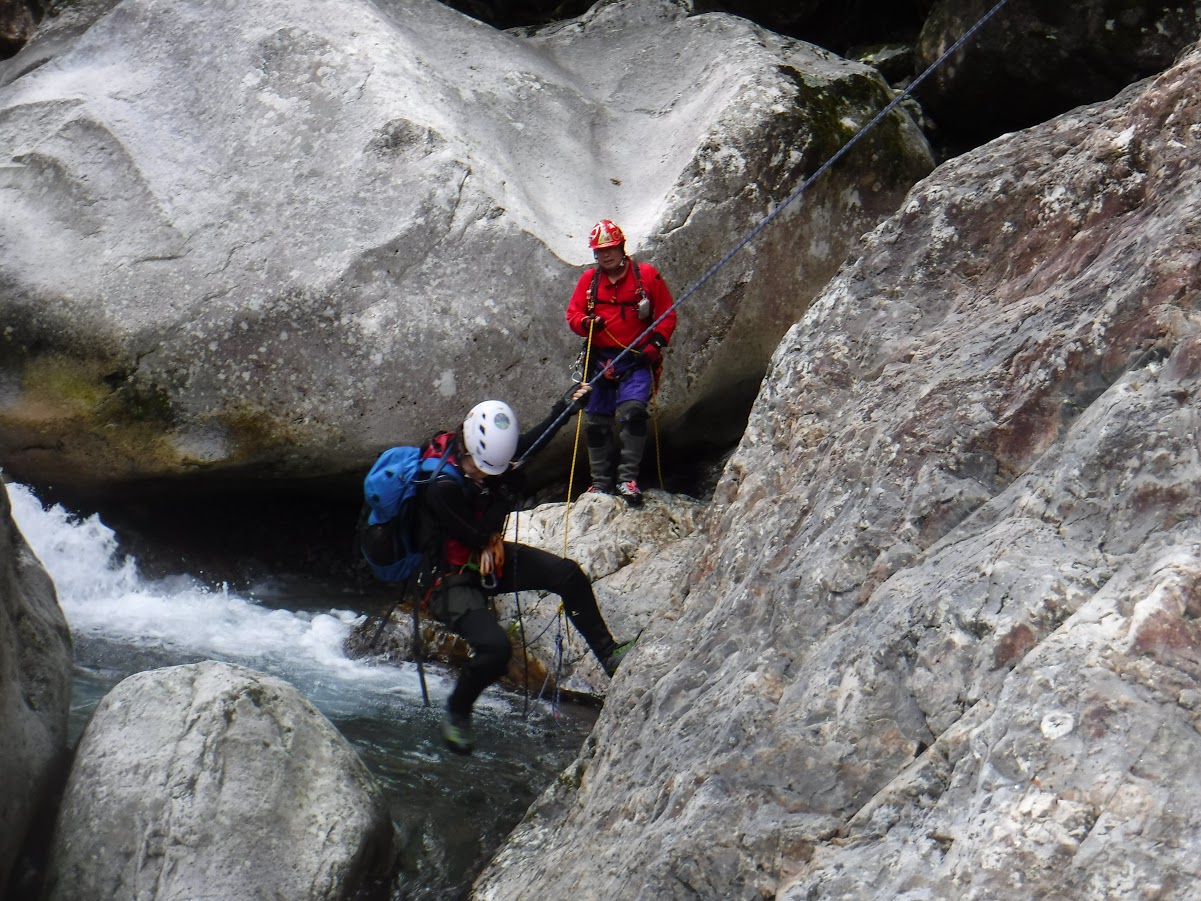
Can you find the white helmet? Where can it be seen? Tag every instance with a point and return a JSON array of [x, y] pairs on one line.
[[490, 433]]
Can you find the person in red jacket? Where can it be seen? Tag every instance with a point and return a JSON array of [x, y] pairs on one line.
[[613, 305]]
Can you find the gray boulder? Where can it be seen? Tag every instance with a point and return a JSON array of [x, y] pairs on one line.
[[943, 642], [35, 691], [273, 238], [637, 561], [213, 781]]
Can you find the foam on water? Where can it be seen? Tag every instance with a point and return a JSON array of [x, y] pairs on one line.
[[104, 596]]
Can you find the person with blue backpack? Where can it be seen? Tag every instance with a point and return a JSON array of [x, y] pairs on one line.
[[468, 489]]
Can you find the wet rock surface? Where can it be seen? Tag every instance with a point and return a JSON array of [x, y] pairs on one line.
[[35, 693]]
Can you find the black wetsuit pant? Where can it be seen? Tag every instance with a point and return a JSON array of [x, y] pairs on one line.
[[525, 569]]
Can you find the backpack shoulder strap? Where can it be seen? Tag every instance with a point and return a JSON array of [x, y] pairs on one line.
[[592, 295], [436, 459], [638, 276]]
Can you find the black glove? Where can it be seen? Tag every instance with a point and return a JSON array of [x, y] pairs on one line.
[[580, 402], [652, 351], [567, 403], [597, 322]]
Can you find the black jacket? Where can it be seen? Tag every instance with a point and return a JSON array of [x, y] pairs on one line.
[[461, 515]]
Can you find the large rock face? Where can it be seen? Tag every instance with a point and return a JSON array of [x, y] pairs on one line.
[[1035, 60], [943, 642], [213, 781], [636, 559], [35, 690], [278, 236]]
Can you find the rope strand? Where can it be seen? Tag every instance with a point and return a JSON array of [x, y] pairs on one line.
[[575, 447]]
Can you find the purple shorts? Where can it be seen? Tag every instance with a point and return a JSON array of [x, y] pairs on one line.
[[633, 384]]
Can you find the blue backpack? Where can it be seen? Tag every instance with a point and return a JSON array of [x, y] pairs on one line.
[[390, 491]]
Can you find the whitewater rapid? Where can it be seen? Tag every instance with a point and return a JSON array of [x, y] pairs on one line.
[[106, 598]]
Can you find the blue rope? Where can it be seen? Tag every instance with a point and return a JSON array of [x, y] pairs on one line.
[[767, 220]]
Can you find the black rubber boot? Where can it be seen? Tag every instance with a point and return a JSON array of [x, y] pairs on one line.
[[631, 428], [598, 433]]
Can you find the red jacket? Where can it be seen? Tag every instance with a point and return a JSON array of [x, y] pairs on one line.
[[617, 304]]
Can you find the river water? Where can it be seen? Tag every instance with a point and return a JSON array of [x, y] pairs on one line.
[[451, 812]]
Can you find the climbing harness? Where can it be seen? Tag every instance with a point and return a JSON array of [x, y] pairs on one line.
[[770, 217], [642, 306]]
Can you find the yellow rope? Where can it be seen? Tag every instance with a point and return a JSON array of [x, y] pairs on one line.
[[575, 449], [575, 446], [655, 424]]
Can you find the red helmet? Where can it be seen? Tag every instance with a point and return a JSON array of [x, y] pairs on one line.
[[605, 234]]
